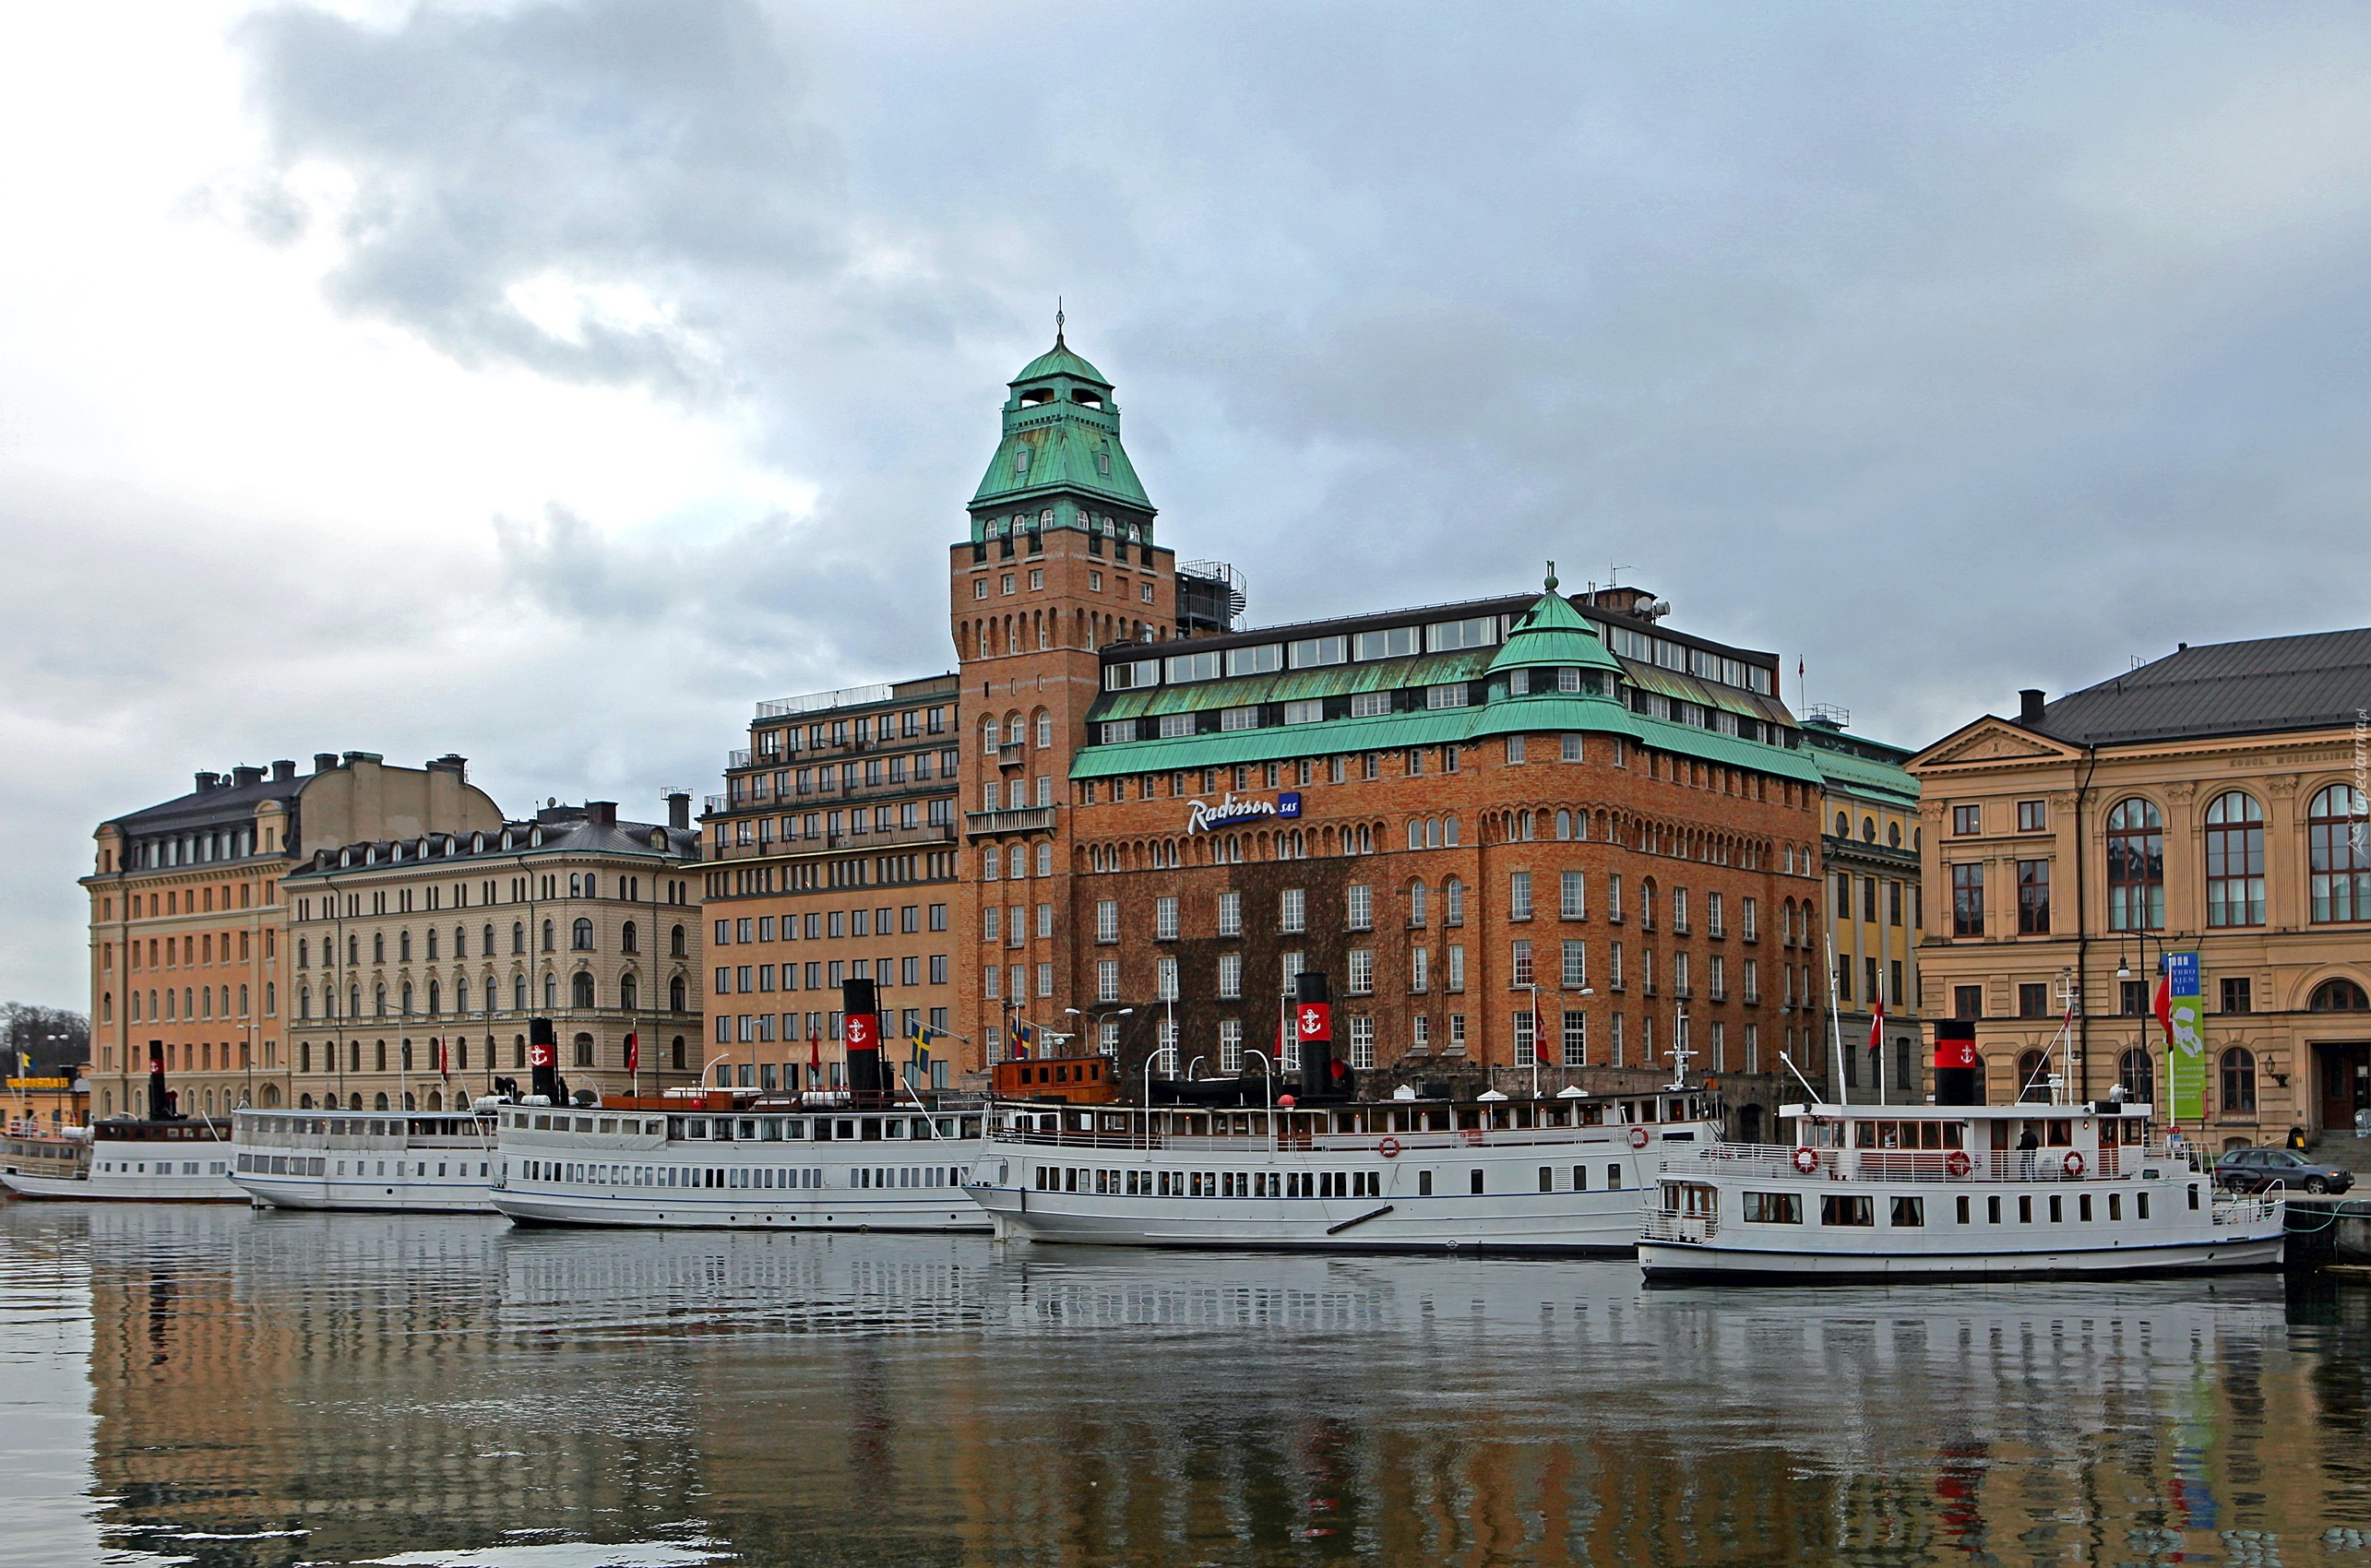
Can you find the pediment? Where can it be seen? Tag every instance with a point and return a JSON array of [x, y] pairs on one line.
[[1992, 740]]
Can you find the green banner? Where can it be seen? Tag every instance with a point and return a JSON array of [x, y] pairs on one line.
[[2185, 1059]]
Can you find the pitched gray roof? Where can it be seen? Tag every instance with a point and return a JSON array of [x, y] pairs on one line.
[[2318, 681]]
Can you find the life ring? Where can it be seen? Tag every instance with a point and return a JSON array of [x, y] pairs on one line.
[[1807, 1159], [1958, 1163], [1471, 1135], [1389, 1148], [2073, 1164], [1638, 1137]]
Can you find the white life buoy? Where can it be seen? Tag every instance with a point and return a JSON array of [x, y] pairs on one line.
[[1638, 1137], [1807, 1159], [2073, 1164], [1958, 1163], [1389, 1148]]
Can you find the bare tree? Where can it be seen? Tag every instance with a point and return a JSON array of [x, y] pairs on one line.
[[51, 1038]]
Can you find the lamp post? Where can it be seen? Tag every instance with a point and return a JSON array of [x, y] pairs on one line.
[[1268, 1088]]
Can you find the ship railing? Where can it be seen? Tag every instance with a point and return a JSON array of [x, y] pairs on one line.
[[2244, 1211], [1403, 1143], [1668, 1225], [2041, 1166]]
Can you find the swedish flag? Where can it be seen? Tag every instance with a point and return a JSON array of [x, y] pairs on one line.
[[920, 1036]]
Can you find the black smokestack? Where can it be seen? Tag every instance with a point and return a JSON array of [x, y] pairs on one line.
[[861, 1033], [679, 810], [160, 1102], [542, 1060], [1958, 1077], [1324, 1075]]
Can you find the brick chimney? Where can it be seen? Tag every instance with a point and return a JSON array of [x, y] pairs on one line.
[[602, 813], [283, 771], [2029, 707], [679, 810]]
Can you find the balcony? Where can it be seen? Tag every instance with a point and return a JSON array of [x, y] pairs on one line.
[[834, 843], [1012, 755], [1027, 819]]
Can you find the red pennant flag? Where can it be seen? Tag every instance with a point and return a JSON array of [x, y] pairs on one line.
[[444, 1060], [633, 1053], [2163, 1006], [1878, 1024], [815, 1053]]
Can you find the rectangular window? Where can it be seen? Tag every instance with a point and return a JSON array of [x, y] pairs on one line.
[[1239, 718], [1518, 896], [1312, 652], [1457, 967], [1576, 1038], [1967, 819], [1451, 695], [1265, 659], [1851, 1211], [1395, 643], [1526, 1040], [2033, 897], [1574, 970], [1521, 954], [1359, 915], [1770, 1208], [1107, 979], [1967, 1002], [1173, 725], [1362, 972], [1292, 913], [2032, 816], [1230, 976], [1231, 1045], [1967, 899], [1165, 981], [1194, 667], [1515, 748], [1370, 705], [2032, 1000], [1418, 970], [1573, 895], [2132, 1000], [1230, 914], [1361, 1041], [1447, 637], [1908, 1211], [1309, 712], [2236, 997], [1107, 920], [1164, 920]]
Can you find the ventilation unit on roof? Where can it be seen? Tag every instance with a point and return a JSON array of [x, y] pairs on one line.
[[1830, 715], [1211, 597], [1654, 609]]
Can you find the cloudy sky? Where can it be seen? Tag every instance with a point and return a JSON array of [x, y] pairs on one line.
[[550, 382]]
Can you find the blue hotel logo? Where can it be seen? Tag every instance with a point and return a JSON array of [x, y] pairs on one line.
[[1202, 815]]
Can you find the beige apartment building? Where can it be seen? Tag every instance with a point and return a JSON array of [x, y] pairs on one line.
[[188, 926], [1869, 845], [415, 964], [2211, 803]]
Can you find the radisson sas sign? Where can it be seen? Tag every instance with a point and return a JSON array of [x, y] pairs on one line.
[[1201, 817]]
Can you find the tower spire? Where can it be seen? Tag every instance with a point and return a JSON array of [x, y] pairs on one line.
[[1057, 321]]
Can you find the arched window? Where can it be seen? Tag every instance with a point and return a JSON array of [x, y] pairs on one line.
[[304, 1102], [1868, 830], [381, 1104], [1564, 825], [1647, 905], [1044, 729], [1416, 833], [626, 939], [2137, 1074], [1416, 901], [551, 992], [629, 992], [2136, 867], [407, 999], [1453, 902], [378, 999], [518, 936], [436, 999], [1844, 825], [271, 1095], [580, 935], [518, 994], [676, 943], [580, 990], [2235, 860], [547, 935], [583, 1056], [2338, 825], [489, 995], [2032, 1077], [2238, 1080], [675, 994], [1893, 835], [2338, 996]]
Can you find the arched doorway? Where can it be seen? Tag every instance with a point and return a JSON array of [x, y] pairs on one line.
[[2343, 1065], [1749, 1123], [2032, 1077]]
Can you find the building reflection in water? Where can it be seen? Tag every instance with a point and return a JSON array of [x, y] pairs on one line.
[[448, 1387]]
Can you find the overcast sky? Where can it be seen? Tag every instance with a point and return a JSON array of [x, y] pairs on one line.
[[550, 383]]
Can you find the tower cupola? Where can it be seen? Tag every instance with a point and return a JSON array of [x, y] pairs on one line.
[[1060, 464]]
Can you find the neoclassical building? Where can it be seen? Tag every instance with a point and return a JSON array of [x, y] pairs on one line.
[[2209, 803], [453, 940]]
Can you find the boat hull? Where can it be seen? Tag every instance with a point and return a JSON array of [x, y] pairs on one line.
[[201, 1188], [922, 1210], [1674, 1263], [420, 1196], [1407, 1224]]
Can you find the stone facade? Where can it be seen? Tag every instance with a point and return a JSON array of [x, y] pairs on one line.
[[398, 947], [2070, 848], [1870, 840]]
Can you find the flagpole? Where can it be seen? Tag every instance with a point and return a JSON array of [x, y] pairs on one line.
[[1836, 1020]]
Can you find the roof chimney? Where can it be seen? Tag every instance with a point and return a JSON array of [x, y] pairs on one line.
[[679, 809], [282, 771], [2029, 707], [209, 781], [324, 762], [242, 777], [451, 762], [602, 813]]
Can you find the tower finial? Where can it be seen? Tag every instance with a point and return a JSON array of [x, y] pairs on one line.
[[1552, 577], [1057, 321]]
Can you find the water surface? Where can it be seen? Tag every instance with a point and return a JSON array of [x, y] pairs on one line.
[[214, 1387]]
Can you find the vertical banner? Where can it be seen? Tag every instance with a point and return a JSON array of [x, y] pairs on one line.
[[2186, 1055]]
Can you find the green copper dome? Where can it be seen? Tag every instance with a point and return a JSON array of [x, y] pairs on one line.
[[1554, 635], [1060, 463], [1059, 360]]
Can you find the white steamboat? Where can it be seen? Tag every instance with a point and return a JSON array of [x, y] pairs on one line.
[[161, 1161], [365, 1160], [1567, 1173], [1876, 1192], [739, 1161]]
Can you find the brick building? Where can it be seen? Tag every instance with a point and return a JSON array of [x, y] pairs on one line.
[[834, 858], [1467, 815]]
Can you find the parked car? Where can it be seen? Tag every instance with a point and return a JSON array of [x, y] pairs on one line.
[[2265, 1169]]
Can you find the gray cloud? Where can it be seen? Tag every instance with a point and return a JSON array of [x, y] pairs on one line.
[[1949, 351]]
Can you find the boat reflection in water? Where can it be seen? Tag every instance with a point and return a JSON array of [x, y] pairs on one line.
[[384, 1385]]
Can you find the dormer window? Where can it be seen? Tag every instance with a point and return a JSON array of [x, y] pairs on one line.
[[1020, 462], [1104, 464]]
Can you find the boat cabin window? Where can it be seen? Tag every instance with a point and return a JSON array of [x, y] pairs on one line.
[[2061, 1134], [1907, 1135]]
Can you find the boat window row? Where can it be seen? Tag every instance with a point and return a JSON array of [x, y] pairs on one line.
[[1907, 1211], [763, 1178], [164, 1167], [286, 1129], [1440, 1118], [759, 1129]]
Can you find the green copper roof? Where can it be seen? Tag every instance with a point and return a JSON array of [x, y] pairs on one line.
[[1553, 634], [1842, 772], [1058, 361], [1061, 441]]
